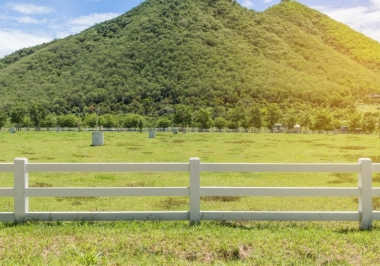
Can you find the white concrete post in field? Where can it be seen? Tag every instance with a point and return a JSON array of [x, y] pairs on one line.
[[195, 196], [20, 184], [365, 198]]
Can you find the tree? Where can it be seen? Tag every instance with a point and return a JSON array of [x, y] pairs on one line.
[[90, 121], [182, 115], [355, 121], [203, 117], [49, 121], [246, 123], [272, 115], [17, 114], [131, 121], [256, 117], [305, 120], [164, 122], [141, 122], [110, 121], [289, 120], [37, 113], [67, 121], [3, 118], [220, 123], [232, 125], [322, 120], [368, 122]]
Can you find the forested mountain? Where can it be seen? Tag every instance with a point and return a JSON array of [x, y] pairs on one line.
[[201, 53]]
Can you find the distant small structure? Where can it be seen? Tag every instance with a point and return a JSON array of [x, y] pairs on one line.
[[278, 128], [374, 96], [296, 129], [343, 129]]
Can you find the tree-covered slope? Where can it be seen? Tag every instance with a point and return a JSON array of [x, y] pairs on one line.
[[197, 52], [337, 35]]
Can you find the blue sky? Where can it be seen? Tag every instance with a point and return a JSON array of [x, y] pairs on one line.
[[25, 23]]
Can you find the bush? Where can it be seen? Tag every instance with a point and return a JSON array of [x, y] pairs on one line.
[[49, 121], [68, 121], [220, 123], [164, 122]]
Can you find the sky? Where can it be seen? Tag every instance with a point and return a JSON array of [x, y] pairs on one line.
[[25, 23]]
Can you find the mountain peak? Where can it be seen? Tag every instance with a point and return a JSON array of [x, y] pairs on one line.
[[201, 53]]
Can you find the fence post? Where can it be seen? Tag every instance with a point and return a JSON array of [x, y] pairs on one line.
[[195, 197], [365, 198], [20, 184]]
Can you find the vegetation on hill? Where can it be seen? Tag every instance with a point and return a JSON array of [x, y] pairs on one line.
[[212, 54]]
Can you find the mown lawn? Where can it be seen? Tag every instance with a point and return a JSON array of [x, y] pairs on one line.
[[179, 243]]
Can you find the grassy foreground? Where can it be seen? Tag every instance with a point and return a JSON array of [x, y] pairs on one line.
[[179, 243]]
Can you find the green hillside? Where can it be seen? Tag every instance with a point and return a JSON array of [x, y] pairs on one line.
[[200, 53]]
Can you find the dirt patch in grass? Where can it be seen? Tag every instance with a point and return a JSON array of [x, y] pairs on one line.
[[375, 158], [353, 147], [240, 253], [137, 145], [140, 184], [49, 158], [134, 148], [105, 177], [307, 141], [121, 143], [80, 156], [76, 200], [199, 140], [343, 178], [171, 203], [355, 157], [375, 203], [376, 177], [42, 184], [221, 198], [325, 145], [240, 141], [178, 141]]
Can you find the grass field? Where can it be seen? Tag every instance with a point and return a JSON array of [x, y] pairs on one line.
[[179, 243]]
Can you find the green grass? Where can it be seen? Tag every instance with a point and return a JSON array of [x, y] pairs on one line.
[[179, 243]]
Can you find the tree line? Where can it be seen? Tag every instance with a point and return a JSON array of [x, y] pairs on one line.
[[245, 114]]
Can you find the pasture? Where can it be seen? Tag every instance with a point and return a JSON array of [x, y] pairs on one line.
[[167, 243]]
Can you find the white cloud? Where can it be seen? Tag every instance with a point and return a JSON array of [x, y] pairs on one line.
[[376, 3], [90, 20], [361, 18], [65, 28], [11, 40], [267, 1], [247, 4], [26, 20], [30, 9]]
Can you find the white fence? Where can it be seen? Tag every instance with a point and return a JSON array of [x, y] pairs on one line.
[[21, 192]]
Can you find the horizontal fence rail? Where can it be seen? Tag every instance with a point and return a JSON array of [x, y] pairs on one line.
[[21, 192]]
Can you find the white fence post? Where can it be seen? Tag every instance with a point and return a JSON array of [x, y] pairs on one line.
[[195, 196], [20, 184], [365, 199]]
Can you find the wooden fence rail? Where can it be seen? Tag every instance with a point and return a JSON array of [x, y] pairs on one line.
[[21, 192]]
